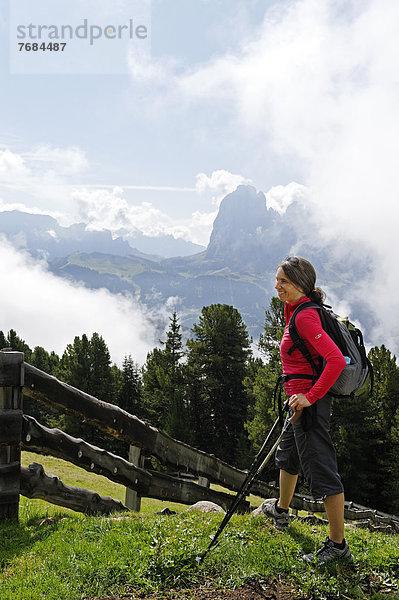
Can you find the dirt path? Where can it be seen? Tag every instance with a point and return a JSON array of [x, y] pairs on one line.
[[252, 590]]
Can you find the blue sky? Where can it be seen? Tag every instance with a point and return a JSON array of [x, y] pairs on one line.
[[129, 130], [297, 97]]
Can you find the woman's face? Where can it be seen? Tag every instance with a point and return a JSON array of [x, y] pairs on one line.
[[287, 291]]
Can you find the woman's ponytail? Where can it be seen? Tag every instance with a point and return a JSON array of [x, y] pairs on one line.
[[317, 295]]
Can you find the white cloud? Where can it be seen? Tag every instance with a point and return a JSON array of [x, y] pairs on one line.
[[41, 175], [279, 197], [41, 163], [12, 167], [196, 229], [320, 84], [317, 89], [108, 209], [35, 210], [147, 70], [48, 311], [64, 160], [44, 176], [219, 183]]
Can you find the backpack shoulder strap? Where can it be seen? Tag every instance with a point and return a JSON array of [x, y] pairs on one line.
[[297, 341]]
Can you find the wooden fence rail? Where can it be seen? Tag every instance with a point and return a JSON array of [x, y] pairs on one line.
[[150, 484], [35, 483], [117, 422], [18, 430]]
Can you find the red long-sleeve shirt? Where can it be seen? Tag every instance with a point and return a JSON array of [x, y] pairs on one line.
[[309, 327]]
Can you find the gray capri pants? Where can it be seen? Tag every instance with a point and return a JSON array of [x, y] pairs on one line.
[[311, 448]]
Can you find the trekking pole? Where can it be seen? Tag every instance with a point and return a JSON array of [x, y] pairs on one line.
[[257, 467]]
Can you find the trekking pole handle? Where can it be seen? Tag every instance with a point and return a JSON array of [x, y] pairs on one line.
[[297, 415]]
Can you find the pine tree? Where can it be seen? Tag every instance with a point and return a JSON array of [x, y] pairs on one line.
[[353, 434], [44, 413], [86, 365], [384, 411], [156, 388], [265, 374], [75, 364], [100, 379], [3, 341], [18, 344], [41, 359], [129, 397], [163, 385], [176, 424], [218, 360]]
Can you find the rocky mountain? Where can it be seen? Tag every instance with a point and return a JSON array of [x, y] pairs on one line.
[[238, 266], [42, 234], [246, 235]]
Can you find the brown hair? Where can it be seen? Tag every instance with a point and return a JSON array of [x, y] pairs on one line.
[[302, 274]]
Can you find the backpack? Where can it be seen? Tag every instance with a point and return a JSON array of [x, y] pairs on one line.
[[357, 375]]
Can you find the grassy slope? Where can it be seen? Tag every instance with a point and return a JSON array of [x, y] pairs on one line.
[[71, 557]]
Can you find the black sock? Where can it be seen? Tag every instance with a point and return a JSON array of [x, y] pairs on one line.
[[280, 510], [340, 546]]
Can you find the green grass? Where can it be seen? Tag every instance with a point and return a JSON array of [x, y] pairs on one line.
[[73, 475], [71, 557]]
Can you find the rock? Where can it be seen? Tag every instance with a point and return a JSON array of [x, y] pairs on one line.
[[166, 511], [257, 512], [205, 506], [253, 234], [313, 520]]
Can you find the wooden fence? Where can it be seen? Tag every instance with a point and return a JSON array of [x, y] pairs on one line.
[[18, 430]]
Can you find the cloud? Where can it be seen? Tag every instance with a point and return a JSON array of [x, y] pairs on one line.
[[48, 311], [319, 83], [42, 174], [316, 87], [147, 70], [107, 209], [44, 161], [67, 160], [199, 228], [279, 197], [219, 183], [103, 208], [12, 167], [35, 210]]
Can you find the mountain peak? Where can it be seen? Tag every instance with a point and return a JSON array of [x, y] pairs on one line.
[[245, 208], [246, 234]]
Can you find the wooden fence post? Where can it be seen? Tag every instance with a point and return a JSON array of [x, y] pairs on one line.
[[11, 382], [203, 481], [132, 499]]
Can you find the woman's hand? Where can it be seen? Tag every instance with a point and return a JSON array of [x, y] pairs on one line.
[[297, 402]]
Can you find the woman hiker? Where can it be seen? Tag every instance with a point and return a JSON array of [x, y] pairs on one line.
[[307, 443]]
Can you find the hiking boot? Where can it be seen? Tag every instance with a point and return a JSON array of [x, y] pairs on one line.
[[280, 520], [329, 553]]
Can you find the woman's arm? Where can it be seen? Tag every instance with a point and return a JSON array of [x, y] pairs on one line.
[[309, 327]]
